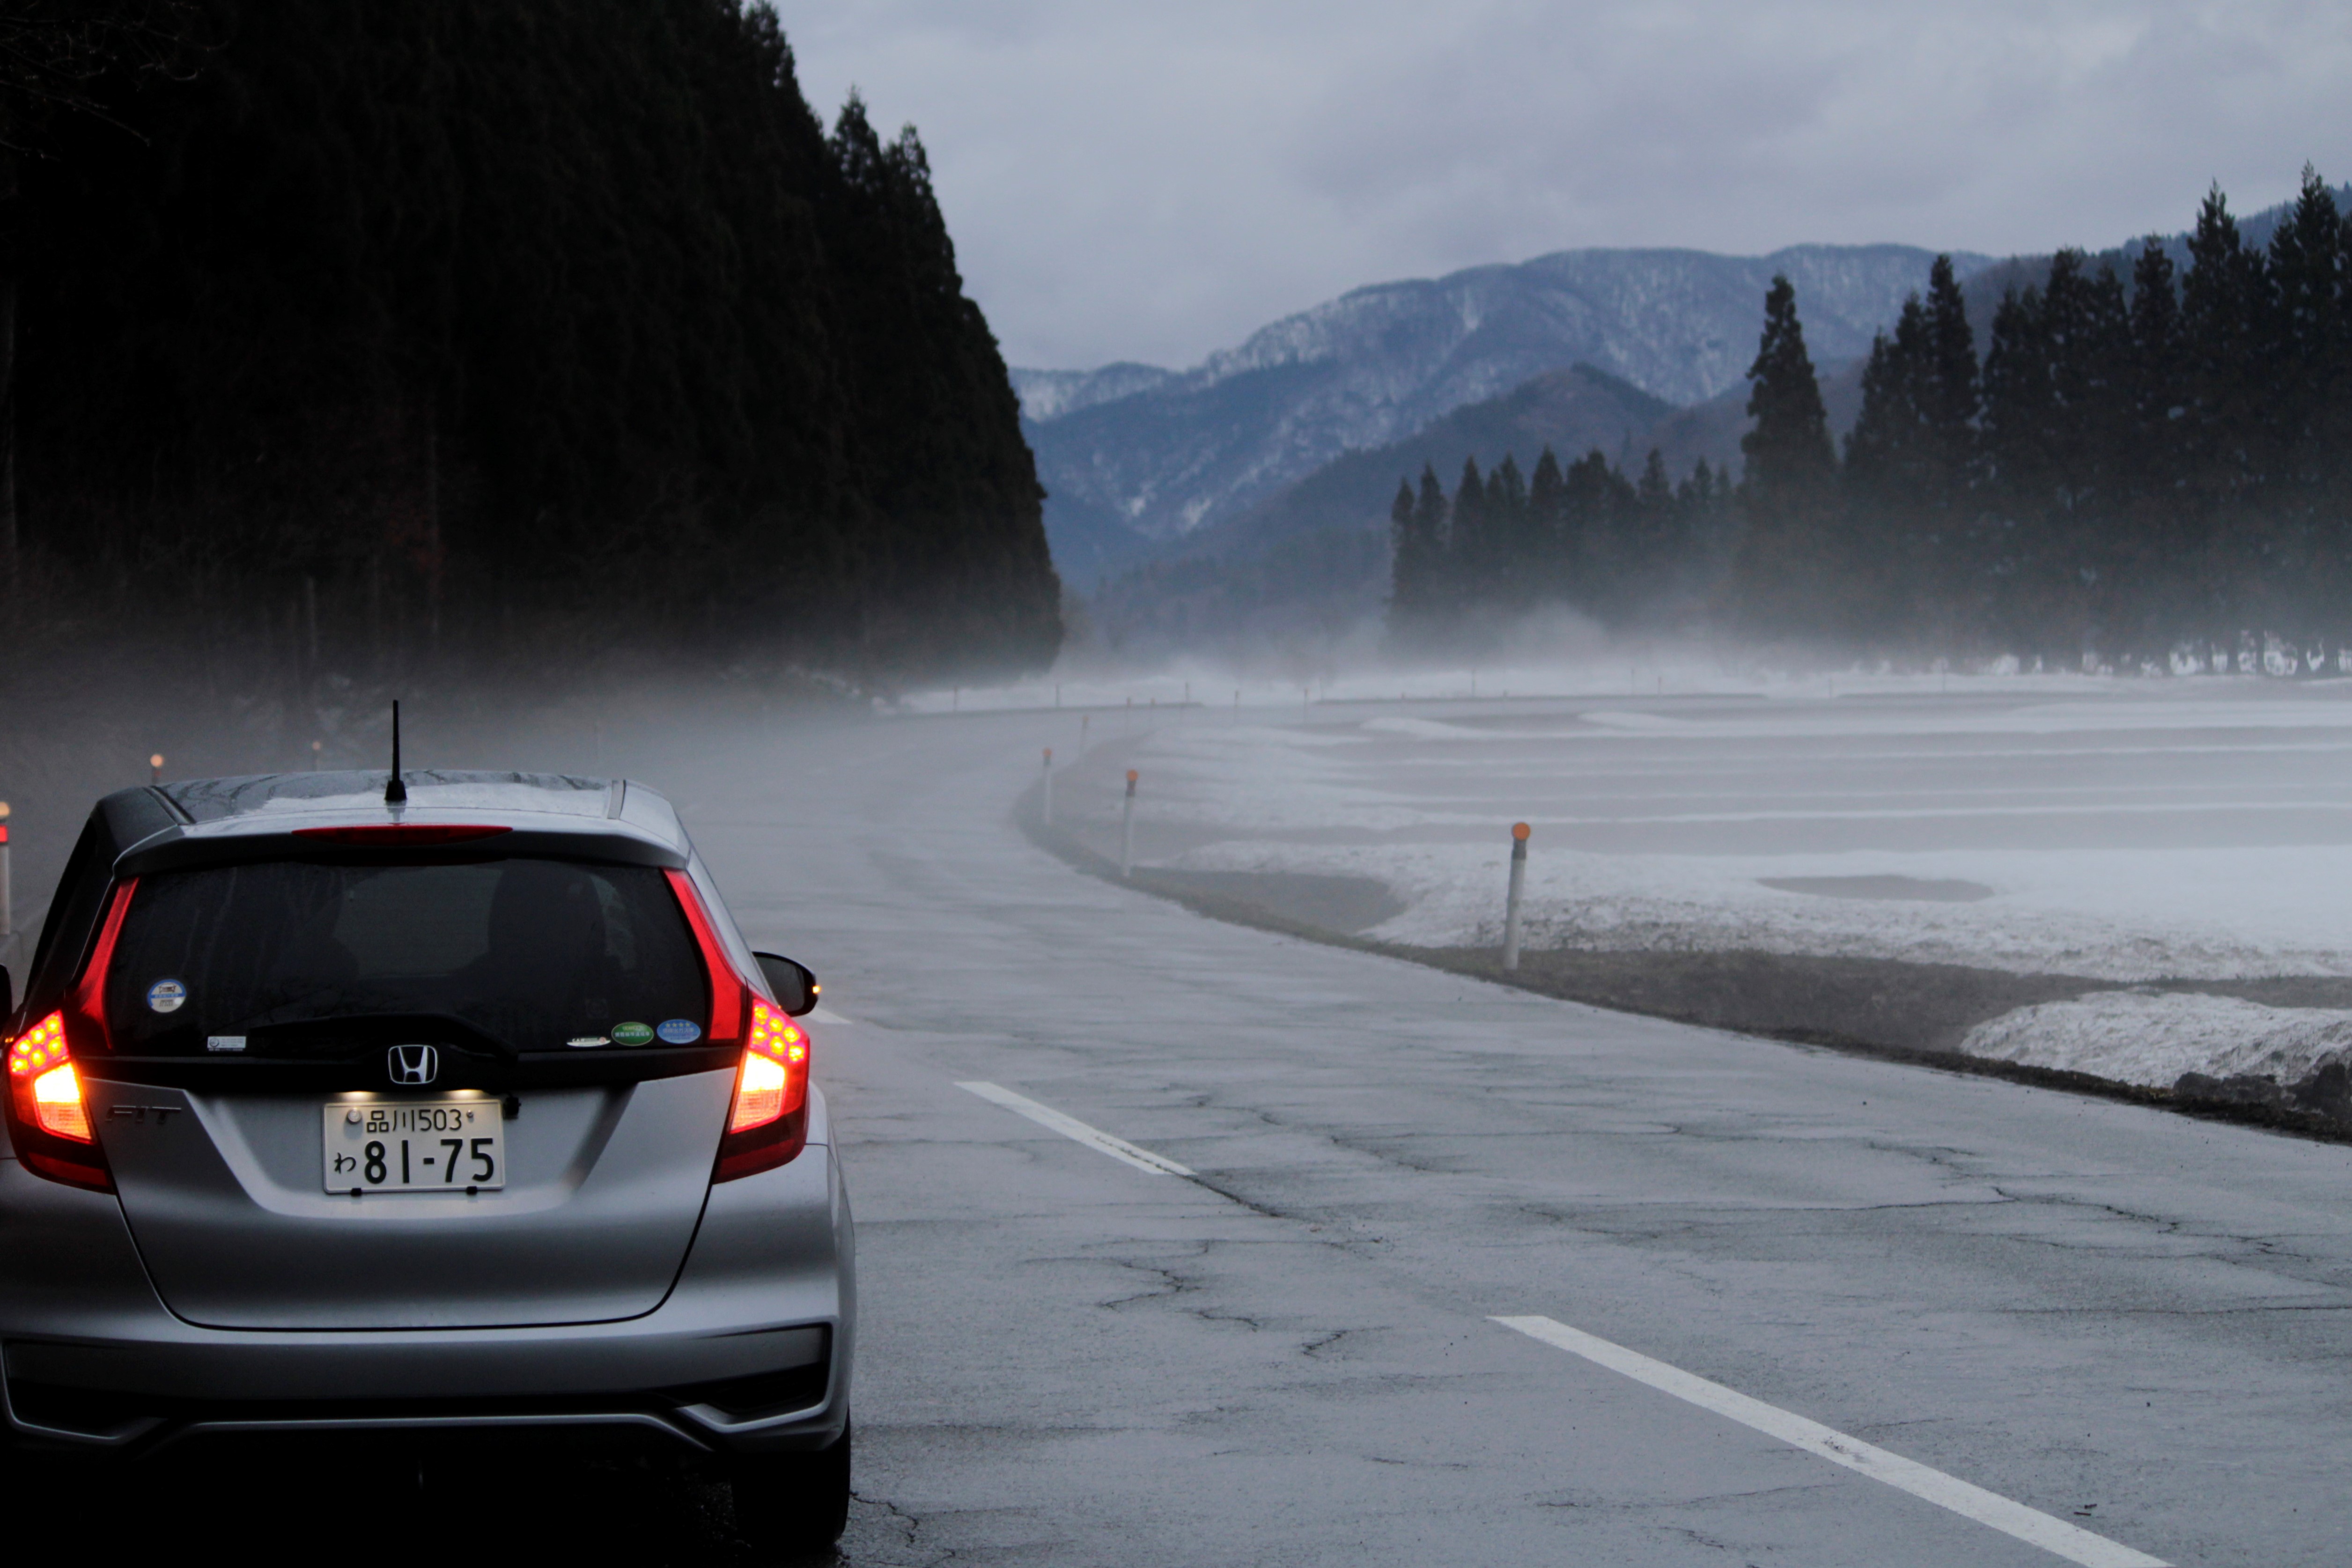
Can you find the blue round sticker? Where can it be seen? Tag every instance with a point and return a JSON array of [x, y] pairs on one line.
[[679, 1031], [166, 996]]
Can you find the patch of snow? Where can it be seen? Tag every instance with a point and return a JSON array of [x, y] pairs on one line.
[[2121, 915], [2151, 1038]]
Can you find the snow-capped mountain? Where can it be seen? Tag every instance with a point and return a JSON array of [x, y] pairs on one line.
[[1135, 457]]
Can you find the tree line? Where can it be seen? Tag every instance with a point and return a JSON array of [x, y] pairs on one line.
[[1584, 535], [388, 330], [2140, 471]]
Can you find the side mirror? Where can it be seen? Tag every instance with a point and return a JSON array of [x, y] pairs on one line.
[[794, 986], [8, 995]]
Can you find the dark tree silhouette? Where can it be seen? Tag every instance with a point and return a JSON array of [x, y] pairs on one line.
[[1788, 491], [505, 327]]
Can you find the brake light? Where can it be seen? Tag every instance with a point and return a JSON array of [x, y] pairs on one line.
[[90, 997], [39, 1048], [48, 1120], [47, 1109], [773, 1080], [42, 1082], [43, 1087], [57, 1103], [727, 988], [767, 1121], [767, 1124], [385, 835]]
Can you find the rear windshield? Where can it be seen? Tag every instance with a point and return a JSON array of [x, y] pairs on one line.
[[536, 955]]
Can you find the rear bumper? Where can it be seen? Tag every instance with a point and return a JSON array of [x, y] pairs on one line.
[[750, 1353]]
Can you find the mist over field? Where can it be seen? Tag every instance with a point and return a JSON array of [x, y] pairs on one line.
[[2133, 877]]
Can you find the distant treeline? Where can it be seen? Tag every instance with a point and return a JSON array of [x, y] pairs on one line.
[[378, 330], [2151, 472], [1585, 536]]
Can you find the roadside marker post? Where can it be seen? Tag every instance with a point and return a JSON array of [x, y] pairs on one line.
[[1519, 831], [1127, 828], [1045, 802], [7, 903]]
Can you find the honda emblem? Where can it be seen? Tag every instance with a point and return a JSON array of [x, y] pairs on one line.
[[412, 1063]]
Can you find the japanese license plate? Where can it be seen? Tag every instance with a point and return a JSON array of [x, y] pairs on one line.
[[415, 1146]]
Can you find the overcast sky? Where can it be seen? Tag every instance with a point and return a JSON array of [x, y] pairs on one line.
[[1130, 181]]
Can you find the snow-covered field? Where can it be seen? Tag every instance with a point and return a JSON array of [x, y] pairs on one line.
[[2125, 830]]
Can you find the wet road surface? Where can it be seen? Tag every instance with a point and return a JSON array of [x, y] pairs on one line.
[[2126, 1321]]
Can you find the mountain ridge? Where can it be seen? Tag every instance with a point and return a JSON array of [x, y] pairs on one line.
[[1145, 456]]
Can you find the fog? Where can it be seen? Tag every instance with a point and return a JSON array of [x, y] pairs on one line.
[[2135, 862], [2143, 873], [2136, 879]]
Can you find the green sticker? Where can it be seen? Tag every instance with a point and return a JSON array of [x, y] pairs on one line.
[[634, 1033]]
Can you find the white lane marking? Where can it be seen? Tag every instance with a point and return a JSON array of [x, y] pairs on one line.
[[2029, 1525], [1071, 1128]]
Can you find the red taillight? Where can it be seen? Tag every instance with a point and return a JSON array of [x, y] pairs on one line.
[[727, 988], [48, 1119], [57, 1103], [767, 1121], [387, 835], [90, 997], [772, 1082], [767, 1124], [41, 1080], [39, 1048]]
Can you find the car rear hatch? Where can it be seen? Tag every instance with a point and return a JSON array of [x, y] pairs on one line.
[[355, 1082]]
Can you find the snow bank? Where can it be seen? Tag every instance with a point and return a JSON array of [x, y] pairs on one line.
[[2151, 1038]]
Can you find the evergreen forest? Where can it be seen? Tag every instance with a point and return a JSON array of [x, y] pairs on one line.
[[368, 334], [2145, 469]]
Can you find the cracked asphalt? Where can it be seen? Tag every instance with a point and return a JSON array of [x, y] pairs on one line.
[[2129, 1319]]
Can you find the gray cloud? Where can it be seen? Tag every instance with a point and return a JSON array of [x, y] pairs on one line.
[[1152, 181]]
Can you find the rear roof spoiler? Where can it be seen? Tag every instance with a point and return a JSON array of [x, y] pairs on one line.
[[598, 841]]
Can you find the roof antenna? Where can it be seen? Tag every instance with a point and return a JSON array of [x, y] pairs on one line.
[[396, 793]]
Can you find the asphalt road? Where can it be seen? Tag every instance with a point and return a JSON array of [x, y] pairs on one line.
[[2132, 1323], [2128, 1320]]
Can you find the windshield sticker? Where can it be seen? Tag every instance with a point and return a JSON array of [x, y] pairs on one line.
[[167, 996], [583, 1042], [224, 1042], [679, 1031], [633, 1033]]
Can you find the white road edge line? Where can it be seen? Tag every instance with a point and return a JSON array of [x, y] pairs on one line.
[[1093, 1138], [2029, 1525]]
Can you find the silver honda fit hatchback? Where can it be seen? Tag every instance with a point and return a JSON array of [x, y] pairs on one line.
[[344, 1105]]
